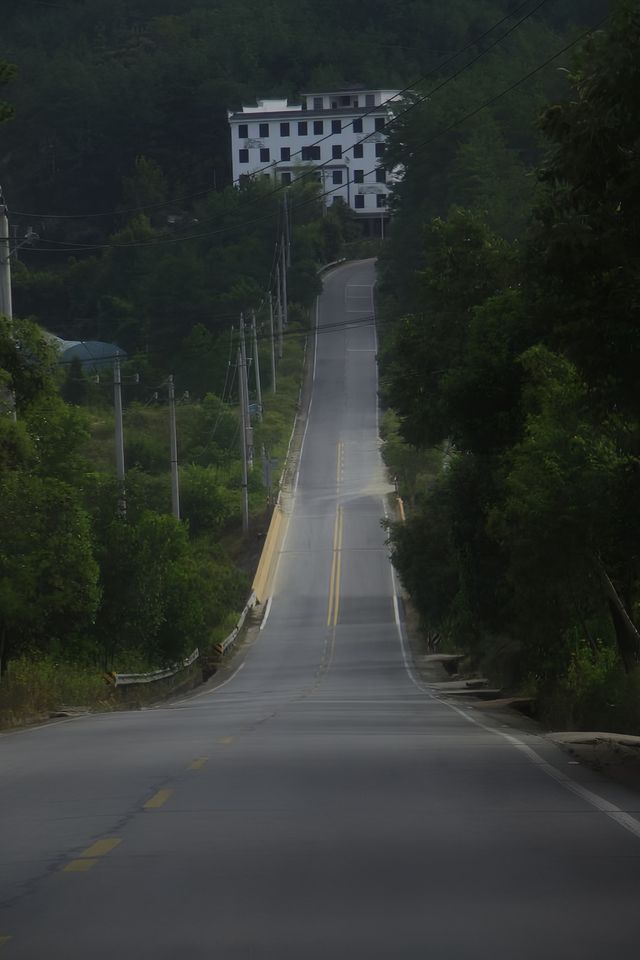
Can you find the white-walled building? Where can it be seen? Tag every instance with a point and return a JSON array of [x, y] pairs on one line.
[[341, 132]]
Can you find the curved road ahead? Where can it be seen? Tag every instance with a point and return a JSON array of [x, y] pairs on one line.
[[322, 803]]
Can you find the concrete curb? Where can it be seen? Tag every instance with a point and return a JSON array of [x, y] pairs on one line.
[[589, 738]]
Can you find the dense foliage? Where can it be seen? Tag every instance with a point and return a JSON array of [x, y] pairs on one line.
[[520, 356]]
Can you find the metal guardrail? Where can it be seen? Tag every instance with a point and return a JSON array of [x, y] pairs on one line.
[[334, 263], [222, 647], [128, 679]]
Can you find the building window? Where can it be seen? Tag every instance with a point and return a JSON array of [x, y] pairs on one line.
[[286, 179], [381, 200], [381, 175], [338, 200], [311, 153], [336, 151], [285, 153], [337, 176], [243, 156], [318, 127], [263, 129], [302, 128], [265, 155], [357, 125], [318, 103], [243, 131], [345, 101], [370, 100], [336, 126], [380, 123], [358, 151], [284, 130], [358, 176], [379, 149], [358, 201]]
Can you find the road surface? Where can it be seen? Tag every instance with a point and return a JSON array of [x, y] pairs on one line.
[[322, 804]]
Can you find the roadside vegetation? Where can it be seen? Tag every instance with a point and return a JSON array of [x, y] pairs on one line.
[[509, 314]]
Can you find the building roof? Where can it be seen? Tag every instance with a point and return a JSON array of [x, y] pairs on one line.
[[301, 114], [92, 354], [346, 90]]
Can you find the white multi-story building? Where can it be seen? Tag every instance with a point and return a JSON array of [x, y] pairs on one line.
[[341, 133]]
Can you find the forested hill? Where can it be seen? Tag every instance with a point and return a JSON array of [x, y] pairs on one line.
[[511, 345], [101, 82]]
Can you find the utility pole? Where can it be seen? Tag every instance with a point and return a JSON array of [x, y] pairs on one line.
[[273, 345], [279, 306], [287, 228], [243, 354], [242, 370], [6, 306], [175, 480], [285, 305], [256, 363], [117, 403]]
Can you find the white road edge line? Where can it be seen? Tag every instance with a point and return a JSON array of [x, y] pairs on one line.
[[315, 341], [610, 810], [267, 610], [211, 690], [297, 478]]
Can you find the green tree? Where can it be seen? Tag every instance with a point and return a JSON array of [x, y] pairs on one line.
[[48, 574], [75, 389], [7, 74]]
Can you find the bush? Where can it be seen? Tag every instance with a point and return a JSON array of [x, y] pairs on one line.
[[204, 501]]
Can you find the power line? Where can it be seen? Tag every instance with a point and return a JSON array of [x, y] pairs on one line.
[[77, 248], [367, 113], [336, 189], [292, 332]]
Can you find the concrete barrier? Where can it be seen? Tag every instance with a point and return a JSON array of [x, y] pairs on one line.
[[273, 541]]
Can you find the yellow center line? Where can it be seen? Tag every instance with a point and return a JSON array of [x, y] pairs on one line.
[[198, 763], [158, 799], [4, 940], [101, 847], [336, 606], [89, 857], [80, 866], [338, 463], [334, 582], [225, 740]]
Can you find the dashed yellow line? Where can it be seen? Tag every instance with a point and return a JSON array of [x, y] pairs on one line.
[[339, 462], [80, 866], [158, 799], [336, 564], [225, 741], [198, 763], [89, 857], [101, 847], [4, 940]]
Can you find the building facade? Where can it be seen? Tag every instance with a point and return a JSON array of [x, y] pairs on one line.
[[340, 133]]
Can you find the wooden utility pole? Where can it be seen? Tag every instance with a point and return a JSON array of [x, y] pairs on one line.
[[242, 372]]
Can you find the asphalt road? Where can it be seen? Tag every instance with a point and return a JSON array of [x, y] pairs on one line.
[[322, 803]]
